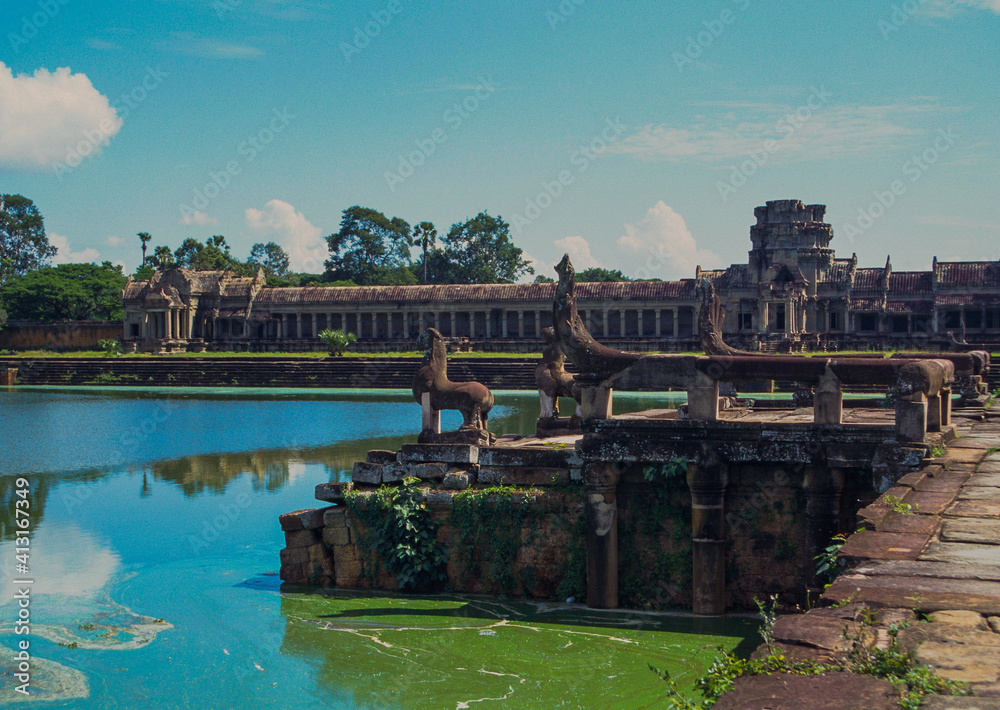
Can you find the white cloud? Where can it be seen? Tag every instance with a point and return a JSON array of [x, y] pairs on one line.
[[197, 218], [281, 223], [579, 252], [811, 130], [50, 116], [65, 255], [661, 246], [113, 241]]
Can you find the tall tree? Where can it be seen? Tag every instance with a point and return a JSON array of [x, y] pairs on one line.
[[163, 258], [66, 292], [481, 251], [425, 234], [370, 248], [270, 257], [144, 237], [23, 244]]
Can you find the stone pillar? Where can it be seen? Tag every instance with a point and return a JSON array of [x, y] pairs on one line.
[[707, 480], [659, 327], [313, 332], [703, 398], [454, 324], [600, 483], [934, 403], [911, 418], [945, 406], [520, 324], [641, 332], [430, 419], [437, 321], [828, 401], [503, 323], [765, 318], [168, 318], [604, 323], [489, 325], [595, 401], [823, 487]]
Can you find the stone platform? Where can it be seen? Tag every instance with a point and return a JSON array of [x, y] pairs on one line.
[[936, 567]]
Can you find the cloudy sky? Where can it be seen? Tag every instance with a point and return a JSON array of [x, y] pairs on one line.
[[636, 136]]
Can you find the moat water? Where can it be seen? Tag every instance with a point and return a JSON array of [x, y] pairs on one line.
[[154, 540]]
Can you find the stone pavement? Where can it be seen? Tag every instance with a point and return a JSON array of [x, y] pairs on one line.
[[940, 560]]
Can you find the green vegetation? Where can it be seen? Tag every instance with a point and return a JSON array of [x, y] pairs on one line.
[[490, 524], [894, 664], [24, 246], [66, 292], [336, 340], [112, 347], [896, 504], [398, 530], [938, 450], [828, 564]]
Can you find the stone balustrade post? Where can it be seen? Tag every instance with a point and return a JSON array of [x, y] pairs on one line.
[[828, 401], [703, 398], [911, 417], [430, 420], [595, 401], [708, 480]]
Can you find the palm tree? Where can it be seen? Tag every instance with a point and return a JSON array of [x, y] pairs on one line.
[[144, 237], [426, 233], [336, 340]]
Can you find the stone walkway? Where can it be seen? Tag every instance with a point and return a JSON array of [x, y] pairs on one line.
[[941, 559]]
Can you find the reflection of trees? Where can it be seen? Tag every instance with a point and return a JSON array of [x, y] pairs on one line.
[[40, 486], [268, 471]]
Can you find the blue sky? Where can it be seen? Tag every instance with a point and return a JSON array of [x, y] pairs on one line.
[[636, 136]]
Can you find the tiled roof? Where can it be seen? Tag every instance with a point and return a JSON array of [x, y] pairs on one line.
[[867, 280], [910, 282], [839, 271], [972, 300], [476, 293], [968, 273]]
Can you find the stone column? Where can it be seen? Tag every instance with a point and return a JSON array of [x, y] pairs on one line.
[[503, 323], [437, 321], [600, 482], [828, 401], [313, 325], [520, 324], [641, 333], [659, 328], [604, 323], [168, 318], [595, 401], [489, 325], [298, 325], [708, 480], [911, 418], [703, 398], [823, 487], [765, 318], [454, 324]]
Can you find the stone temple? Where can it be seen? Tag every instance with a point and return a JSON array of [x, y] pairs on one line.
[[792, 293]]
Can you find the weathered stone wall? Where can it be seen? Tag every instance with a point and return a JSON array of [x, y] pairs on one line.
[[69, 335]]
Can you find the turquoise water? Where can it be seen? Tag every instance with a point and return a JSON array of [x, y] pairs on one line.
[[154, 553]]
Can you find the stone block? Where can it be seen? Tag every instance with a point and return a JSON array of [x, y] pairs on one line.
[[308, 519], [438, 453], [345, 553], [428, 471], [789, 691], [367, 473], [994, 622], [526, 456], [974, 509], [961, 618], [884, 545], [335, 517], [909, 523], [942, 483], [301, 538], [929, 503], [502, 475], [292, 574], [456, 481], [336, 536], [294, 556], [333, 492], [348, 569], [394, 472], [381, 456], [440, 500]]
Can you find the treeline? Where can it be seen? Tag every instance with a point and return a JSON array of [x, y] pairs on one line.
[[368, 249]]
